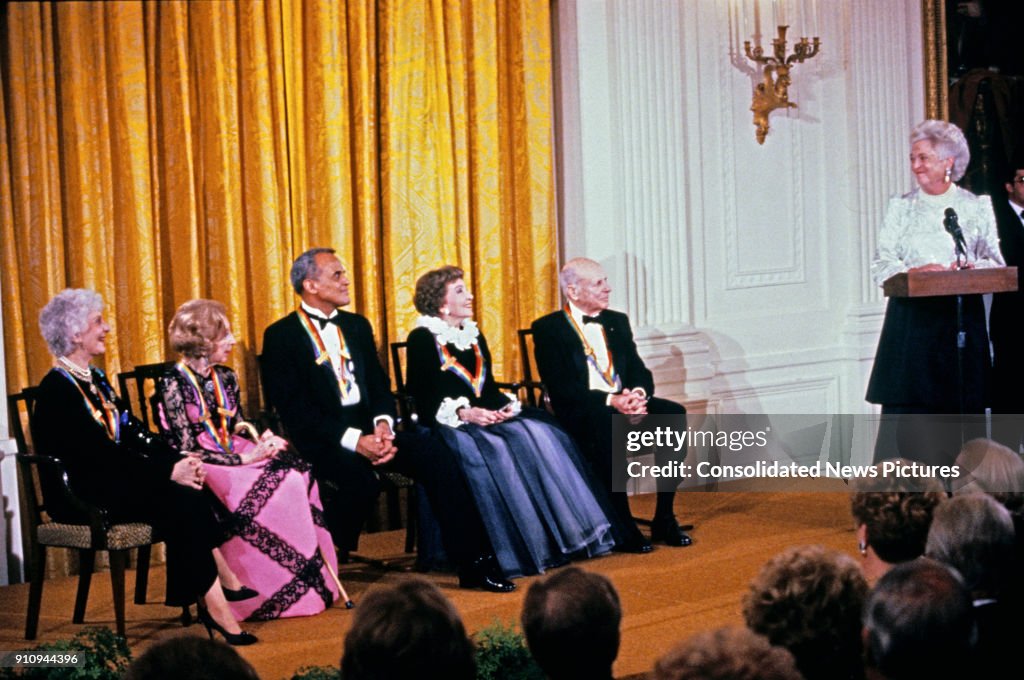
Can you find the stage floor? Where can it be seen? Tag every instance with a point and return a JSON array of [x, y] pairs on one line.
[[666, 595]]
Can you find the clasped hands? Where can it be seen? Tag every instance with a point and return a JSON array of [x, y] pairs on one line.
[[378, 447], [630, 402], [189, 471], [485, 416], [268, 445]]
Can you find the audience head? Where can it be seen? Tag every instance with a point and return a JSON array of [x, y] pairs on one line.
[[432, 289], [974, 534], [727, 654], [67, 316], [989, 467], [190, 657], [892, 515], [571, 622], [404, 632], [947, 142], [809, 600], [320, 279], [918, 623], [585, 284], [196, 328]]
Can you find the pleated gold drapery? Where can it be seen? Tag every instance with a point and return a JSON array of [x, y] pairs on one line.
[[160, 151]]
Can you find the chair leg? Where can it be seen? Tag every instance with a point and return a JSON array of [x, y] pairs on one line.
[[86, 565], [394, 508], [142, 574], [410, 524], [118, 561], [35, 591]]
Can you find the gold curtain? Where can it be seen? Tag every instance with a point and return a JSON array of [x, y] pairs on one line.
[[160, 151]]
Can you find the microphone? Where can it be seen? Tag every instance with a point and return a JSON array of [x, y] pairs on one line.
[[952, 225]]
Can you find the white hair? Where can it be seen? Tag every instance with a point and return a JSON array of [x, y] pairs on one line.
[[948, 141], [65, 315]]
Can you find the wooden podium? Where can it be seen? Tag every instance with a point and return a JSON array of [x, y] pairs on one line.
[[962, 282], [956, 283]]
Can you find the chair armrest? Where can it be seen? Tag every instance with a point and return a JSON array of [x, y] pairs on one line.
[[61, 502], [406, 409]]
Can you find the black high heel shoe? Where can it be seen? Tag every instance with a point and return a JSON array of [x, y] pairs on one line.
[[236, 639], [243, 593]]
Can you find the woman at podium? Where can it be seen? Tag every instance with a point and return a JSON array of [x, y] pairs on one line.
[[916, 364]]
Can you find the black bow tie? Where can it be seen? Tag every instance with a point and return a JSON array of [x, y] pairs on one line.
[[591, 319], [322, 320]]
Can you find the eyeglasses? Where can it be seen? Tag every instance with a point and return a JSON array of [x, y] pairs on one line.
[[1017, 180]]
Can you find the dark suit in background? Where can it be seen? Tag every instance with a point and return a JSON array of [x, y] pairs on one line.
[[1005, 326], [584, 412], [307, 397]]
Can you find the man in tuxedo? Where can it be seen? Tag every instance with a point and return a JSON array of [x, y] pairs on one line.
[[592, 371], [1007, 319], [321, 372]]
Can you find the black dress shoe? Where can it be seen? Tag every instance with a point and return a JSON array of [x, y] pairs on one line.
[[243, 593], [639, 546], [667, 529], [634, 542], [485, 574]]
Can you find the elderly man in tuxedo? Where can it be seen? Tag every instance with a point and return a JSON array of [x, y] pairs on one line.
[[591, 368], [1007, 319], [321, 372]]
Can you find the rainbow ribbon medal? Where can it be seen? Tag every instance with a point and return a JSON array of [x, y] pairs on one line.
[[610, 377], [450, 363], [107, 417], [323, 356], [220, 433]]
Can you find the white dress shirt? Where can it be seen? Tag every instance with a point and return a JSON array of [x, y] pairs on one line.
[[331, 337]]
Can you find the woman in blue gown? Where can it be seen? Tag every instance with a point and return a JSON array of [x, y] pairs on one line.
[[533, 490]]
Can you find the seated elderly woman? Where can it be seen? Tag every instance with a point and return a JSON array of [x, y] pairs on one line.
[[267, 500], [114, 463], [535, 494], [892, 516]]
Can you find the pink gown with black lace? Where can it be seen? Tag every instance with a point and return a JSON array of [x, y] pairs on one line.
[[275, 539]]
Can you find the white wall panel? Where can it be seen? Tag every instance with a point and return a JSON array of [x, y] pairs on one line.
[[743, 266]]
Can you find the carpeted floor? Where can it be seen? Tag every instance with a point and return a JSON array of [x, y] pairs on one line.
[[666, 595]]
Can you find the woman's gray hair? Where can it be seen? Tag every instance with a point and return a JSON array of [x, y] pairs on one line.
[[65, 315], [975, 535], [948, 141], [305, 267]]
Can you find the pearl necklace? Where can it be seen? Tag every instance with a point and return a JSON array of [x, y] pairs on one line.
[[83, 374]]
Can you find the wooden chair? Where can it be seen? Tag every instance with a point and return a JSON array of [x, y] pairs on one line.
[[83, 527], [536, 394], [138, 389]]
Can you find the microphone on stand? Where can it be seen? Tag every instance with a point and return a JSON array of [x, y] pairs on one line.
[[952, 225]]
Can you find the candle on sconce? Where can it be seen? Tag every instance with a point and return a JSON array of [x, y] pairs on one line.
[[757, 22]]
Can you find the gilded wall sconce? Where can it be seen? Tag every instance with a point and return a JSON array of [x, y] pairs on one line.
[[773, 92]]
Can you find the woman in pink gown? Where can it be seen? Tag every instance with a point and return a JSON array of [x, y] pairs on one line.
[[275, 539]]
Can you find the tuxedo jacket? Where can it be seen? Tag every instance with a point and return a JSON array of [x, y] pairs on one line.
[[1007, 308], [562, 364], [306, 395]]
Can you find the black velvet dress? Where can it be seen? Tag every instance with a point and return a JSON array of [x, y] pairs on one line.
[[128, 473]]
